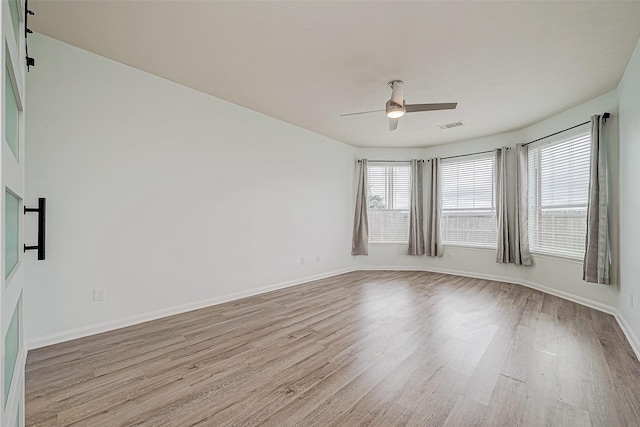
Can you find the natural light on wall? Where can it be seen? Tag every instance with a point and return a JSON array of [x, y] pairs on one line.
[[558, 193], [388, 199]]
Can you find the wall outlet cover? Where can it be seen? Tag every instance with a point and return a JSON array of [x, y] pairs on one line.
[[98, 294]]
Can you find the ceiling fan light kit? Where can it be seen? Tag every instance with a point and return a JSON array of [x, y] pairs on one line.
[[396, 107], [394, 111]]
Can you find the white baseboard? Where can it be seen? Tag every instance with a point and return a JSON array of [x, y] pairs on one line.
[[580, 300], [628, 332], [169, 311]]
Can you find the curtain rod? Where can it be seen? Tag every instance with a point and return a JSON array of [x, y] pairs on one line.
[[390, 161], [471, 154], [605, 115]]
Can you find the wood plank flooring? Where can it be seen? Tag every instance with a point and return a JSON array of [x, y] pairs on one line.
[[363, 348]]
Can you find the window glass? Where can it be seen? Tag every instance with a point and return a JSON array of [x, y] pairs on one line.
[[468, 201], [10, 115], [15, 18], [558, 195], [388, 200], [11, 231]]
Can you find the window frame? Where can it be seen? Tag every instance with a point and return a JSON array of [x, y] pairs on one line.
[[535, 194], [467, 159], [389, 164]]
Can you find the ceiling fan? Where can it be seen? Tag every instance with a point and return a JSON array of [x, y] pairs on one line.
[[396, 107]]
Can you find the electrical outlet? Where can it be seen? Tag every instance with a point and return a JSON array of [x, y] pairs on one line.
[[301, 261], [98, 294]]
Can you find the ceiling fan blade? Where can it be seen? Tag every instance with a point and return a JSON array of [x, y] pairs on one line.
[[397, 94], [362, 112], [412, 108], [393, 124]]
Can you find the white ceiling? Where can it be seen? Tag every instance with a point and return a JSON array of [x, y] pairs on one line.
[[507, 64]]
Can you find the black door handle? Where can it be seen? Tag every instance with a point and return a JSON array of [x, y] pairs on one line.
[[42, 211]]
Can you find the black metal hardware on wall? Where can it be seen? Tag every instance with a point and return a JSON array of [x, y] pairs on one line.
[[605, 116], [31, 62], [42, 211]]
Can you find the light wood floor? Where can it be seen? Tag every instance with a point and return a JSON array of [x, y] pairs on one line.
[[364, 348]]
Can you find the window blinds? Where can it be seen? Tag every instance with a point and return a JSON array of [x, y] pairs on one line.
[[558, 194], [388, 200], [468, 201]]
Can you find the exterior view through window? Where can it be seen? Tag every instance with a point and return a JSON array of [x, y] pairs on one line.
[[558, 195], [468, 201], [388, 200]]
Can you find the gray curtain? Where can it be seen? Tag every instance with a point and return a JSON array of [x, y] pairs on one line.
[[416, 214], [521, 254], [503, 252], [597, 257], [434, 209], [360, 239]]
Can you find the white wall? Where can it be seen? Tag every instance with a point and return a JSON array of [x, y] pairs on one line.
[[168, 198], [629, 107], [561, 277]]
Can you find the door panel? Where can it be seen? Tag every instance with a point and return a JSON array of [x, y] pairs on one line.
[[11, 114], [12, 230], [11, 350]]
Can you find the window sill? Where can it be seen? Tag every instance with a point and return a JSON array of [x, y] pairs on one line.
[[465, 247], [446, 245], [557, 257], [387, 244]]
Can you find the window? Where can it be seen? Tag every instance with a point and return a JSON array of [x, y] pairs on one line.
[[11, 115], [388, 200], [15, 19], [468, 201], [558, 194]]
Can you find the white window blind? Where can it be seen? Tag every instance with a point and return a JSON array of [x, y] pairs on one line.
[[388, 200], [468, 201], [558, 194]]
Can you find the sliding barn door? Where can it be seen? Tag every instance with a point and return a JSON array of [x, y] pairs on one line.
[[12, 188]]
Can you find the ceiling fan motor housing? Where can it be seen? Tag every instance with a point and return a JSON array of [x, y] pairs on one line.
[[394, 110]]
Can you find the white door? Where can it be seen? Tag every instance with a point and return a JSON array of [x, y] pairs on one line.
[[12, 189]]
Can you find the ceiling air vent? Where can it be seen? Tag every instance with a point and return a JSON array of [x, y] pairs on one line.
[[450, 125]]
